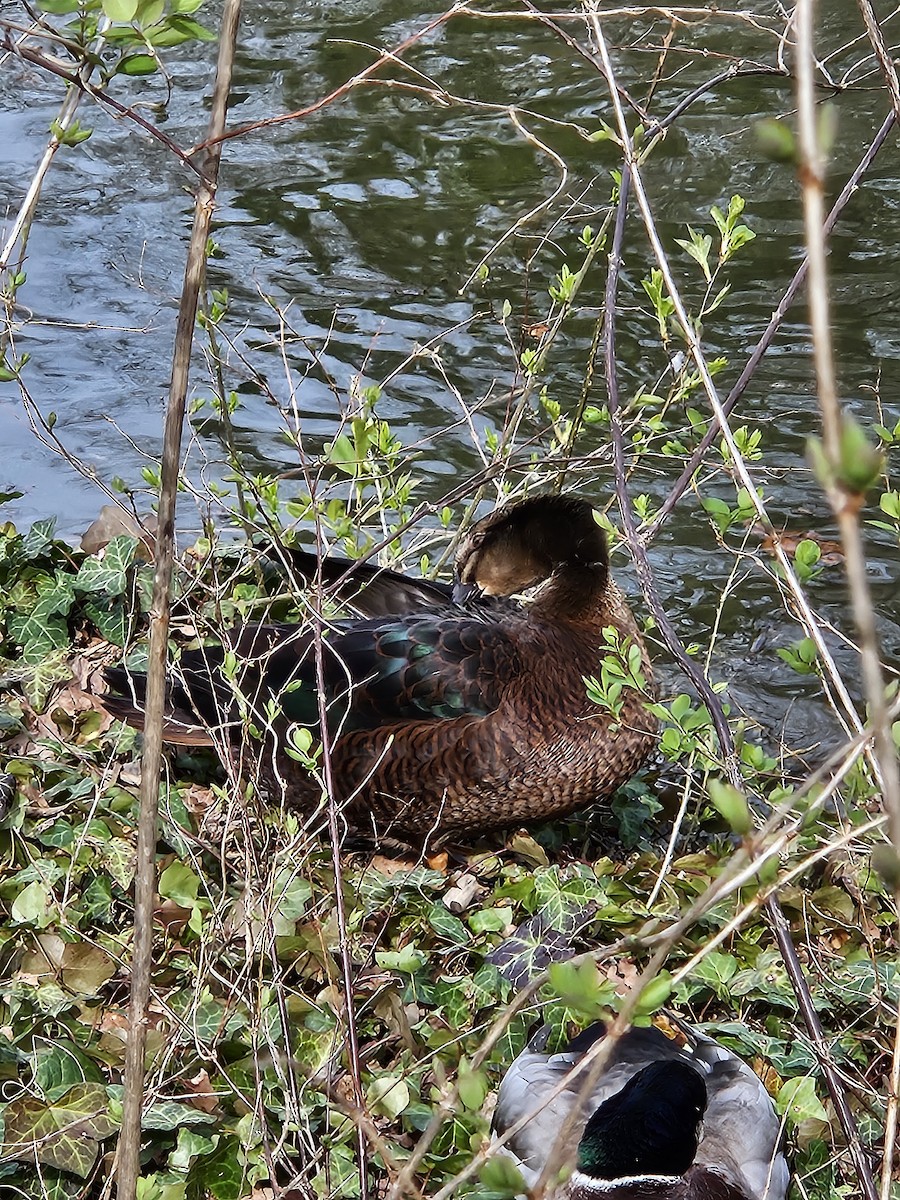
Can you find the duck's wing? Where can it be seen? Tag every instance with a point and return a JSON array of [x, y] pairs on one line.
[[741, 1131], [215, 686], [375, 672], [367, 589], [421, 668], [526, 1088]]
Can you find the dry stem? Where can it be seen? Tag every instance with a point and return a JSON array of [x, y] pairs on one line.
[[129, 1146], [843, 500]]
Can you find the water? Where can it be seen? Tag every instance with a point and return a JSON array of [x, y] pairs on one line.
[[364, 221]]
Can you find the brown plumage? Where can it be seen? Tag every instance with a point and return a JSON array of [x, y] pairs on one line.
[[448, 709]]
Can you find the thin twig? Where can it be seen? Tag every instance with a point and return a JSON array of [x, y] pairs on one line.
[[845, 500], [345, 88], [873, 30], [129, 1145], [680, 313], [334, 834], [83, 86], [66, 116], [626, 510]]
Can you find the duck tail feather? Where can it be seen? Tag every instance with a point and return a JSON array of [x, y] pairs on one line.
[[179, 728]]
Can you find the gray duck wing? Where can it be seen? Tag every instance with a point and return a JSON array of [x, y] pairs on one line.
[[741, 1130]]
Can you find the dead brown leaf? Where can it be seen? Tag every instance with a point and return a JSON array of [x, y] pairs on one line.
[[621, 972], [171, 916], [391, 866], [202, 1093], [197, 799]]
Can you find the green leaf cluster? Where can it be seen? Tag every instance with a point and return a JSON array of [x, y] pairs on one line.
[[123, 37], [50, 595]]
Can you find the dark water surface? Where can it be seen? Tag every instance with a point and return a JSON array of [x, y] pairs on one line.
[[365, 220]]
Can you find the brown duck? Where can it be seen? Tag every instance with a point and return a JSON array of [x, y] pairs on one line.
[[449, 708]]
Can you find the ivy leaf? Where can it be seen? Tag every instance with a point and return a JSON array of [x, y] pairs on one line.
[[342, 1179], [110, 573], [109, 615], [388, 1095], [43, 677], [34, 905], [38, 538], [96, 900], [447, 926], [65, 1134], [634, 806], [62, 1067], [717, 970], [117, 857], [220, 1172], [489, 920], [529, 951], [567, 905], [797, 1100], [190, 1145], [208, 1019], [292, 896], [488, 988], [169, 1115], [179, 883], [40, 631]]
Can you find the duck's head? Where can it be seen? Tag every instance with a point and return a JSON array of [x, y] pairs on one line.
[[647, 1131], [544, 538]]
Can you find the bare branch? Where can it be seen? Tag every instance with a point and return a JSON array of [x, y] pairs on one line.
[[129, 1147]]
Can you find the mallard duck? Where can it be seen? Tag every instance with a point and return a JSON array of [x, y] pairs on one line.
[[671, 1118], [450, 707]]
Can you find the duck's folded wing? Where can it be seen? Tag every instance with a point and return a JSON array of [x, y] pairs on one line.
[[420, 668], [375, 672], [368, 589], [527, 1088], [741, 1130], [216, 687]]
